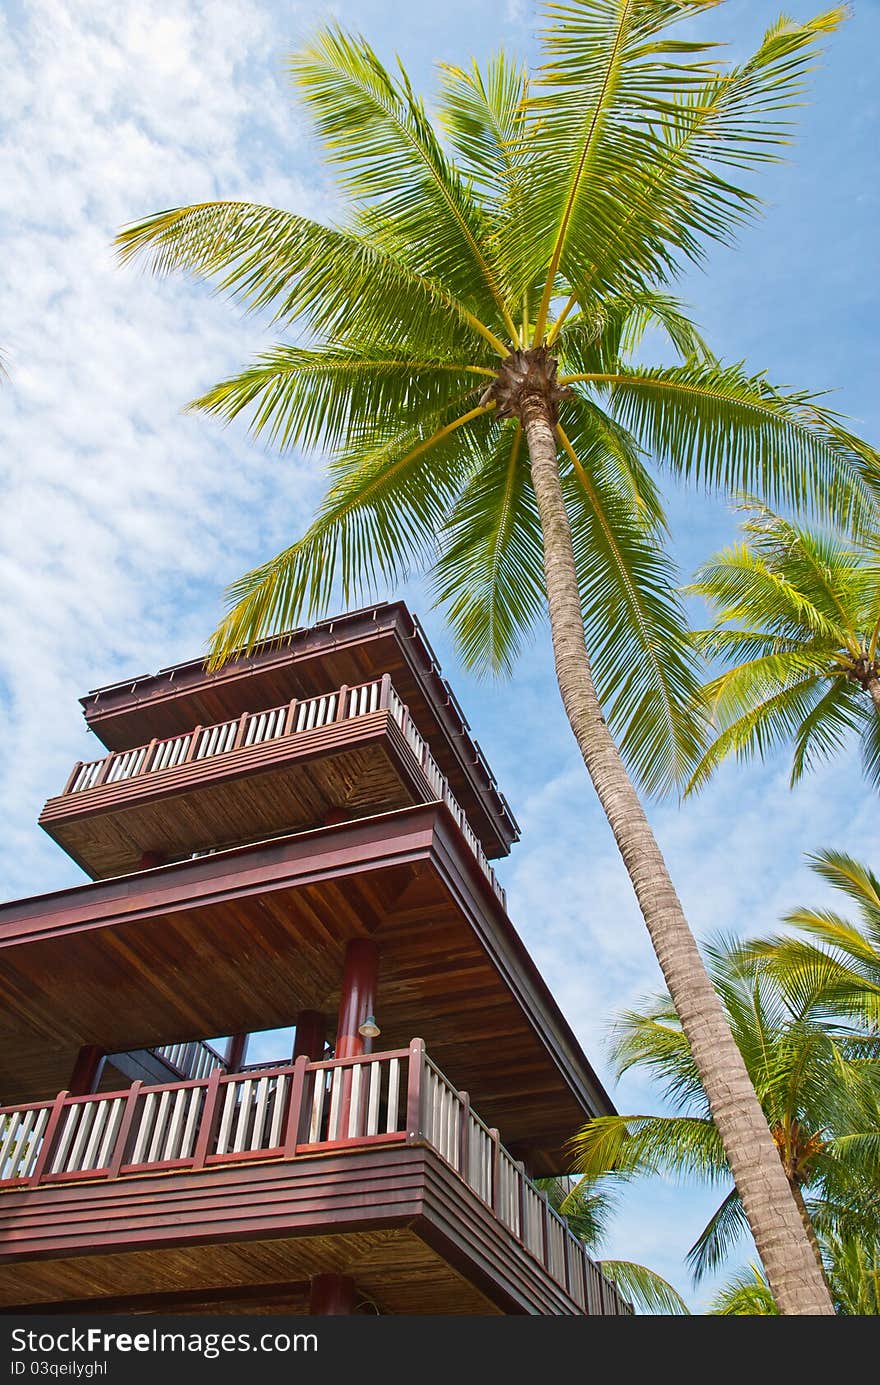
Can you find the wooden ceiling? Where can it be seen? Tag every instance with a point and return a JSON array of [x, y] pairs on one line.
[[244, 939], [350, 649]]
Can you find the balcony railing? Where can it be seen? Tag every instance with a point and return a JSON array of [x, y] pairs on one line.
[[191, 1060], [399, 1097], [291, 719]]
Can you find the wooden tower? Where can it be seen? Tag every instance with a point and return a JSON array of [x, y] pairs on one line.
[[303, 838]]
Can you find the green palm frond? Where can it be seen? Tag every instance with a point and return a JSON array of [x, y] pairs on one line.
[[378, 133], [718, 427], [725, 1228], [795, 611], [642, 660], [644, 1288], [746, 1294], [300, 397], [488, 574]]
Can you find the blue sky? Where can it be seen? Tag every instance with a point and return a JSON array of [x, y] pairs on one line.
[[123, 519]]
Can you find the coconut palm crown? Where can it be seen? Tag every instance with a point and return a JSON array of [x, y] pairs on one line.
[[464, 351], [798, 618], [528, 243]]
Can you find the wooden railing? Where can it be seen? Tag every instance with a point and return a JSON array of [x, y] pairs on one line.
[[191, 1060], [254, 728], [279, 1113]]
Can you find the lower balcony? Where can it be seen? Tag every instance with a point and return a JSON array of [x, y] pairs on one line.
[[234, 1190]]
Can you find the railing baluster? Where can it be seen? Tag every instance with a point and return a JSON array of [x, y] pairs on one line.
[[294, 1112], [392, 1115]]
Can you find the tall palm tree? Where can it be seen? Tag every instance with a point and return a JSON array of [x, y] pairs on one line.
[[588, 1204], [468, 359], [836, 969], [819, 1087], [797, 614]]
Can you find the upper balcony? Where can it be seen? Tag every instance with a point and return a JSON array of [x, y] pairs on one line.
[[345, 754], [302, 665]]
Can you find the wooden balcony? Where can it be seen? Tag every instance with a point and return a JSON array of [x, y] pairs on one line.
[[351, 752], [288, 1165]]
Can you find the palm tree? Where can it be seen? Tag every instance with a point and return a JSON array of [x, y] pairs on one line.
[[588, 1204], [837, 969], [852, 1268], [469, 333], [798, 613], [819, 1087]]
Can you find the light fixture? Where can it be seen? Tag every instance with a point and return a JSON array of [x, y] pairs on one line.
[[369, 1029]]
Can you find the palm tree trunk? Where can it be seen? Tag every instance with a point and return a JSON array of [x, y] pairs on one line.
[[808, 1226], [873, 685], [795, 1279]]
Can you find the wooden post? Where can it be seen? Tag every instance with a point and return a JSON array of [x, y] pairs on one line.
[[240, 730], [209, 1111], [332, 1295], [496, 1172], [341, 700], [414, 1130], [385, 692], [546, 1230], [358, 998], [105, 769], [118, 1155], [294, 1109], [191, 748], [87, 1070], [566, 1252], [464, 1137], [521, 1196], [311, 1031], [71, 779], [144, 769], [47, 1148], [290, 718], [235, 1051]]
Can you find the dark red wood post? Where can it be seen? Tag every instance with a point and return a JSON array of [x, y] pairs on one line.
[[294, 1109], [72, 777], [235, 1051], [546, 1230], [151, 859], [47, 1148], [109, 761], [385, 692], [414, 1130], [332, 1295], [496, 1172], [290, 718], [566, 1254], [521, 1194], [118, 1155], [209, 1113], [191, 748], [359, 977], [311, 1031], [342, 703], [464, 1166], [87, 1070], [358, 999]]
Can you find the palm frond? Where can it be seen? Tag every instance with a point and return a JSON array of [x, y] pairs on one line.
[[376, 131], [644, 1288], [646, 672], [718, 427], [488, 573]]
